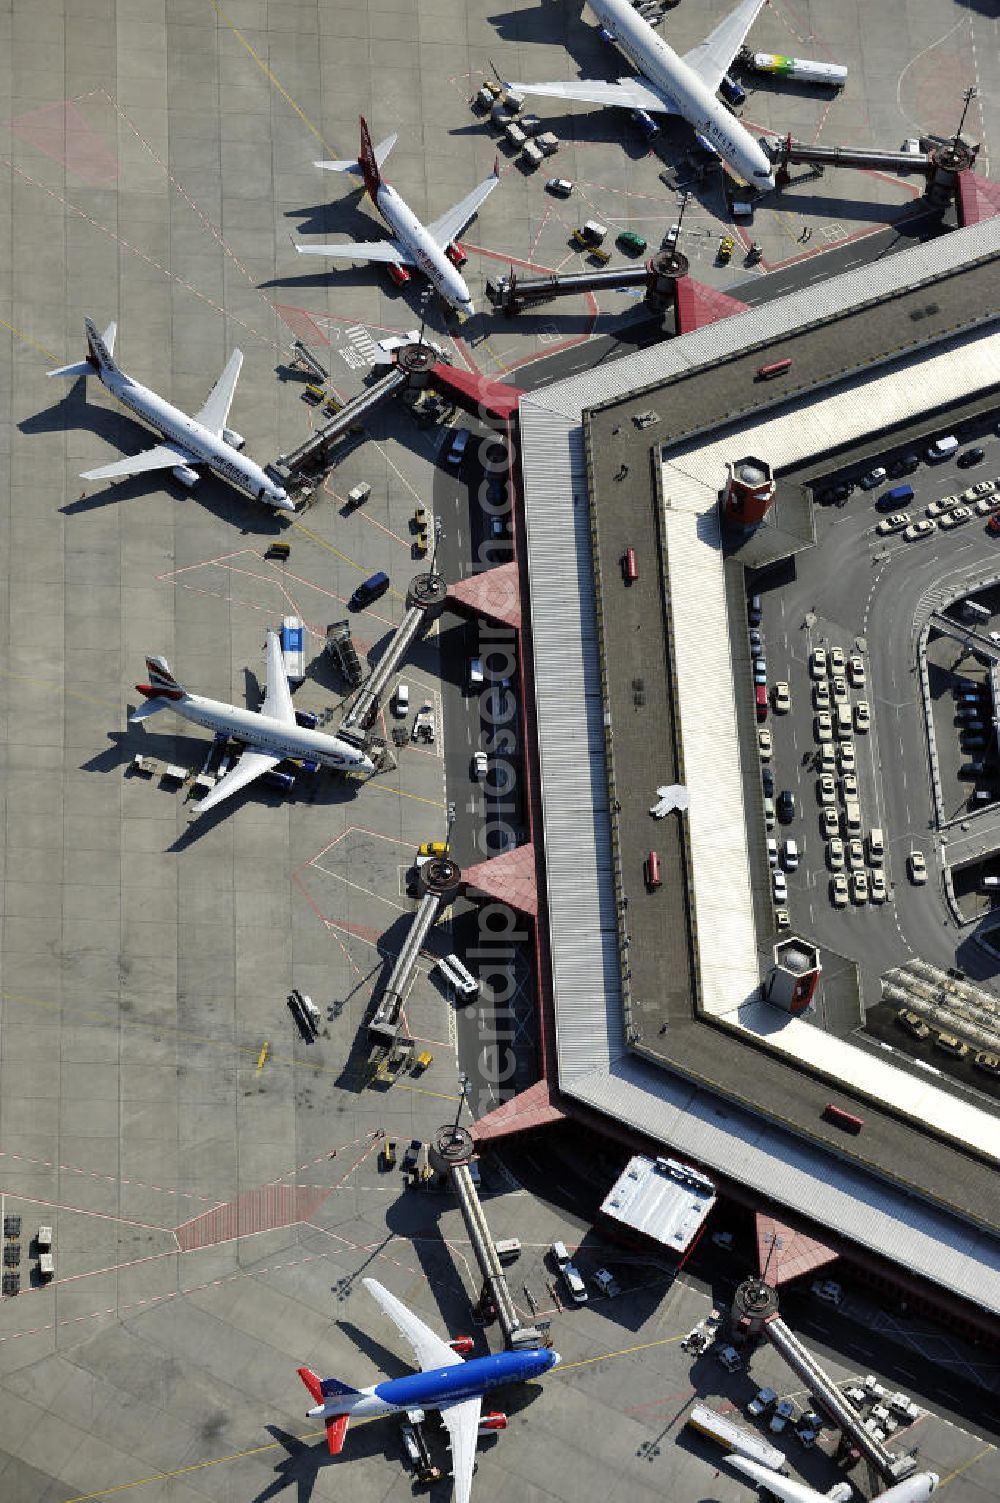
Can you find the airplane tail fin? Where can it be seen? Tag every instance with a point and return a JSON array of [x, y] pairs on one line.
[[369, 163], [162, 684], [322, 1389], [100, 348]]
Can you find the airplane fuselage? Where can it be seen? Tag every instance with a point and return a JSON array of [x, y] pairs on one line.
[[661, 66], [437, 1386], [266, 734], [427, 254], [170, 423]]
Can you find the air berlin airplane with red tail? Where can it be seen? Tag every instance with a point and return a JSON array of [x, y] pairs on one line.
[[430, 248], [446, 1382]]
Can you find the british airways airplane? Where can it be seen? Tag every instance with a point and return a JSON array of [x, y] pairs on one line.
[[202, 439], [270, 735], [445, 1382], [414, 244], [672, 85]]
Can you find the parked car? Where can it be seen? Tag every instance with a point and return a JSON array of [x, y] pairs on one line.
[[762, 1401], [560, 186], [764, 743], [862, 716], [873, 478], [878, 887], [480, 766], [939, 507], [856, 670], [970, 457], [779, 887], [912, 1023], [835, 854], [838, 890], [859, 887], [730, 1359], [918, 530], [828, 1290], [895, 522], [956, 517], [606, 1283], [574, 1283]]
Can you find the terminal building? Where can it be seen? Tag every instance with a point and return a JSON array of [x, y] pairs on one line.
[[669, 1020]]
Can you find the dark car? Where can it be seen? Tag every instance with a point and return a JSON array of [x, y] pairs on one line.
[[970, 457], [786, 806], [369, 590], [905, 466], [756, 642], [754, 610], [767, 782]]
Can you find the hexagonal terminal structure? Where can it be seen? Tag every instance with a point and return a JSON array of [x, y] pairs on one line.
[[427, 593], [794, 977], [441, 876], [748, 492], [417, 360], [452, 1145], [753, 1303]]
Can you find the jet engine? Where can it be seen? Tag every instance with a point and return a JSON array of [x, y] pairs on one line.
[[232, 438], [489, 1423], [185, 475], [462, 1345]]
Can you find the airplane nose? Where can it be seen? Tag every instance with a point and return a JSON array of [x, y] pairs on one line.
[[556, 1359]]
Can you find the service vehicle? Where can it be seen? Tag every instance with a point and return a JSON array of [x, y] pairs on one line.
[[560, 186], [631, 243], [369, 591], [574, 1283], [387, 1154], [590, 234], [942, 448], [783, 1412], [726, 247], [606, 1283], [762, 1401], [755, 253], [730, 1359]]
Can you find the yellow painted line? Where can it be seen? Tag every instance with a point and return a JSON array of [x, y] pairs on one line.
[[965, 1466], [275, 1445], [401, 793], [269, 75], [27, 339], [314, 537], [265, 1049], [625, 1351]]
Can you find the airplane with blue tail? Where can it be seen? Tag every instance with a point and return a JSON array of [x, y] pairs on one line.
[[446, 1382]]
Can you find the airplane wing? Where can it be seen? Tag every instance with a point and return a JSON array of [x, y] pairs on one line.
[[277, 696], [785, 1488], [360, 250], [463, 1429], [251, 765], [713, 57], [453, 222], [215, 413], [428, 1348], [163, 457], [626, 93]]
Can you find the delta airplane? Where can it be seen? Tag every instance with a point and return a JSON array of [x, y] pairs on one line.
[[202, 439], [270, 735], [915, 1489], [673, 85], [445, 1382], [414, 244]]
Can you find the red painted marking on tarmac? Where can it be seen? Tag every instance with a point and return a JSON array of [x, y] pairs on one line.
[[62, 134]]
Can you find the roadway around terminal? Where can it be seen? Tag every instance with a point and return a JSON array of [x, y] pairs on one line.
[[212, 1179]]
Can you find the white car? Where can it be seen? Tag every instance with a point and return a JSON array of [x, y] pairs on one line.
[[823, 726], [835, 854], [986, 504], [779, 887], [817, 663], [838, 890], [772, 852], [783, 1411], [480, 766], [826, 789], [840, 694], [781, 698], [981, 488], [827, 757], [859, 888], [764, 744], [917, 530], [855, 855], [837, 661], [917, 868], [894, 522], [849, 785], [879, 891], [938, 508], [821, 695], [956, 517], [862, 716], [829, 821], [873, 478], [401, 704], [856, 670], [846, 756], [574, 1283]]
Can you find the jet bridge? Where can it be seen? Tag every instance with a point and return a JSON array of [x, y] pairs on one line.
[[425, 600], [941, 165], [315, 451], [451, 1154], [511, 294], [440, 879]]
